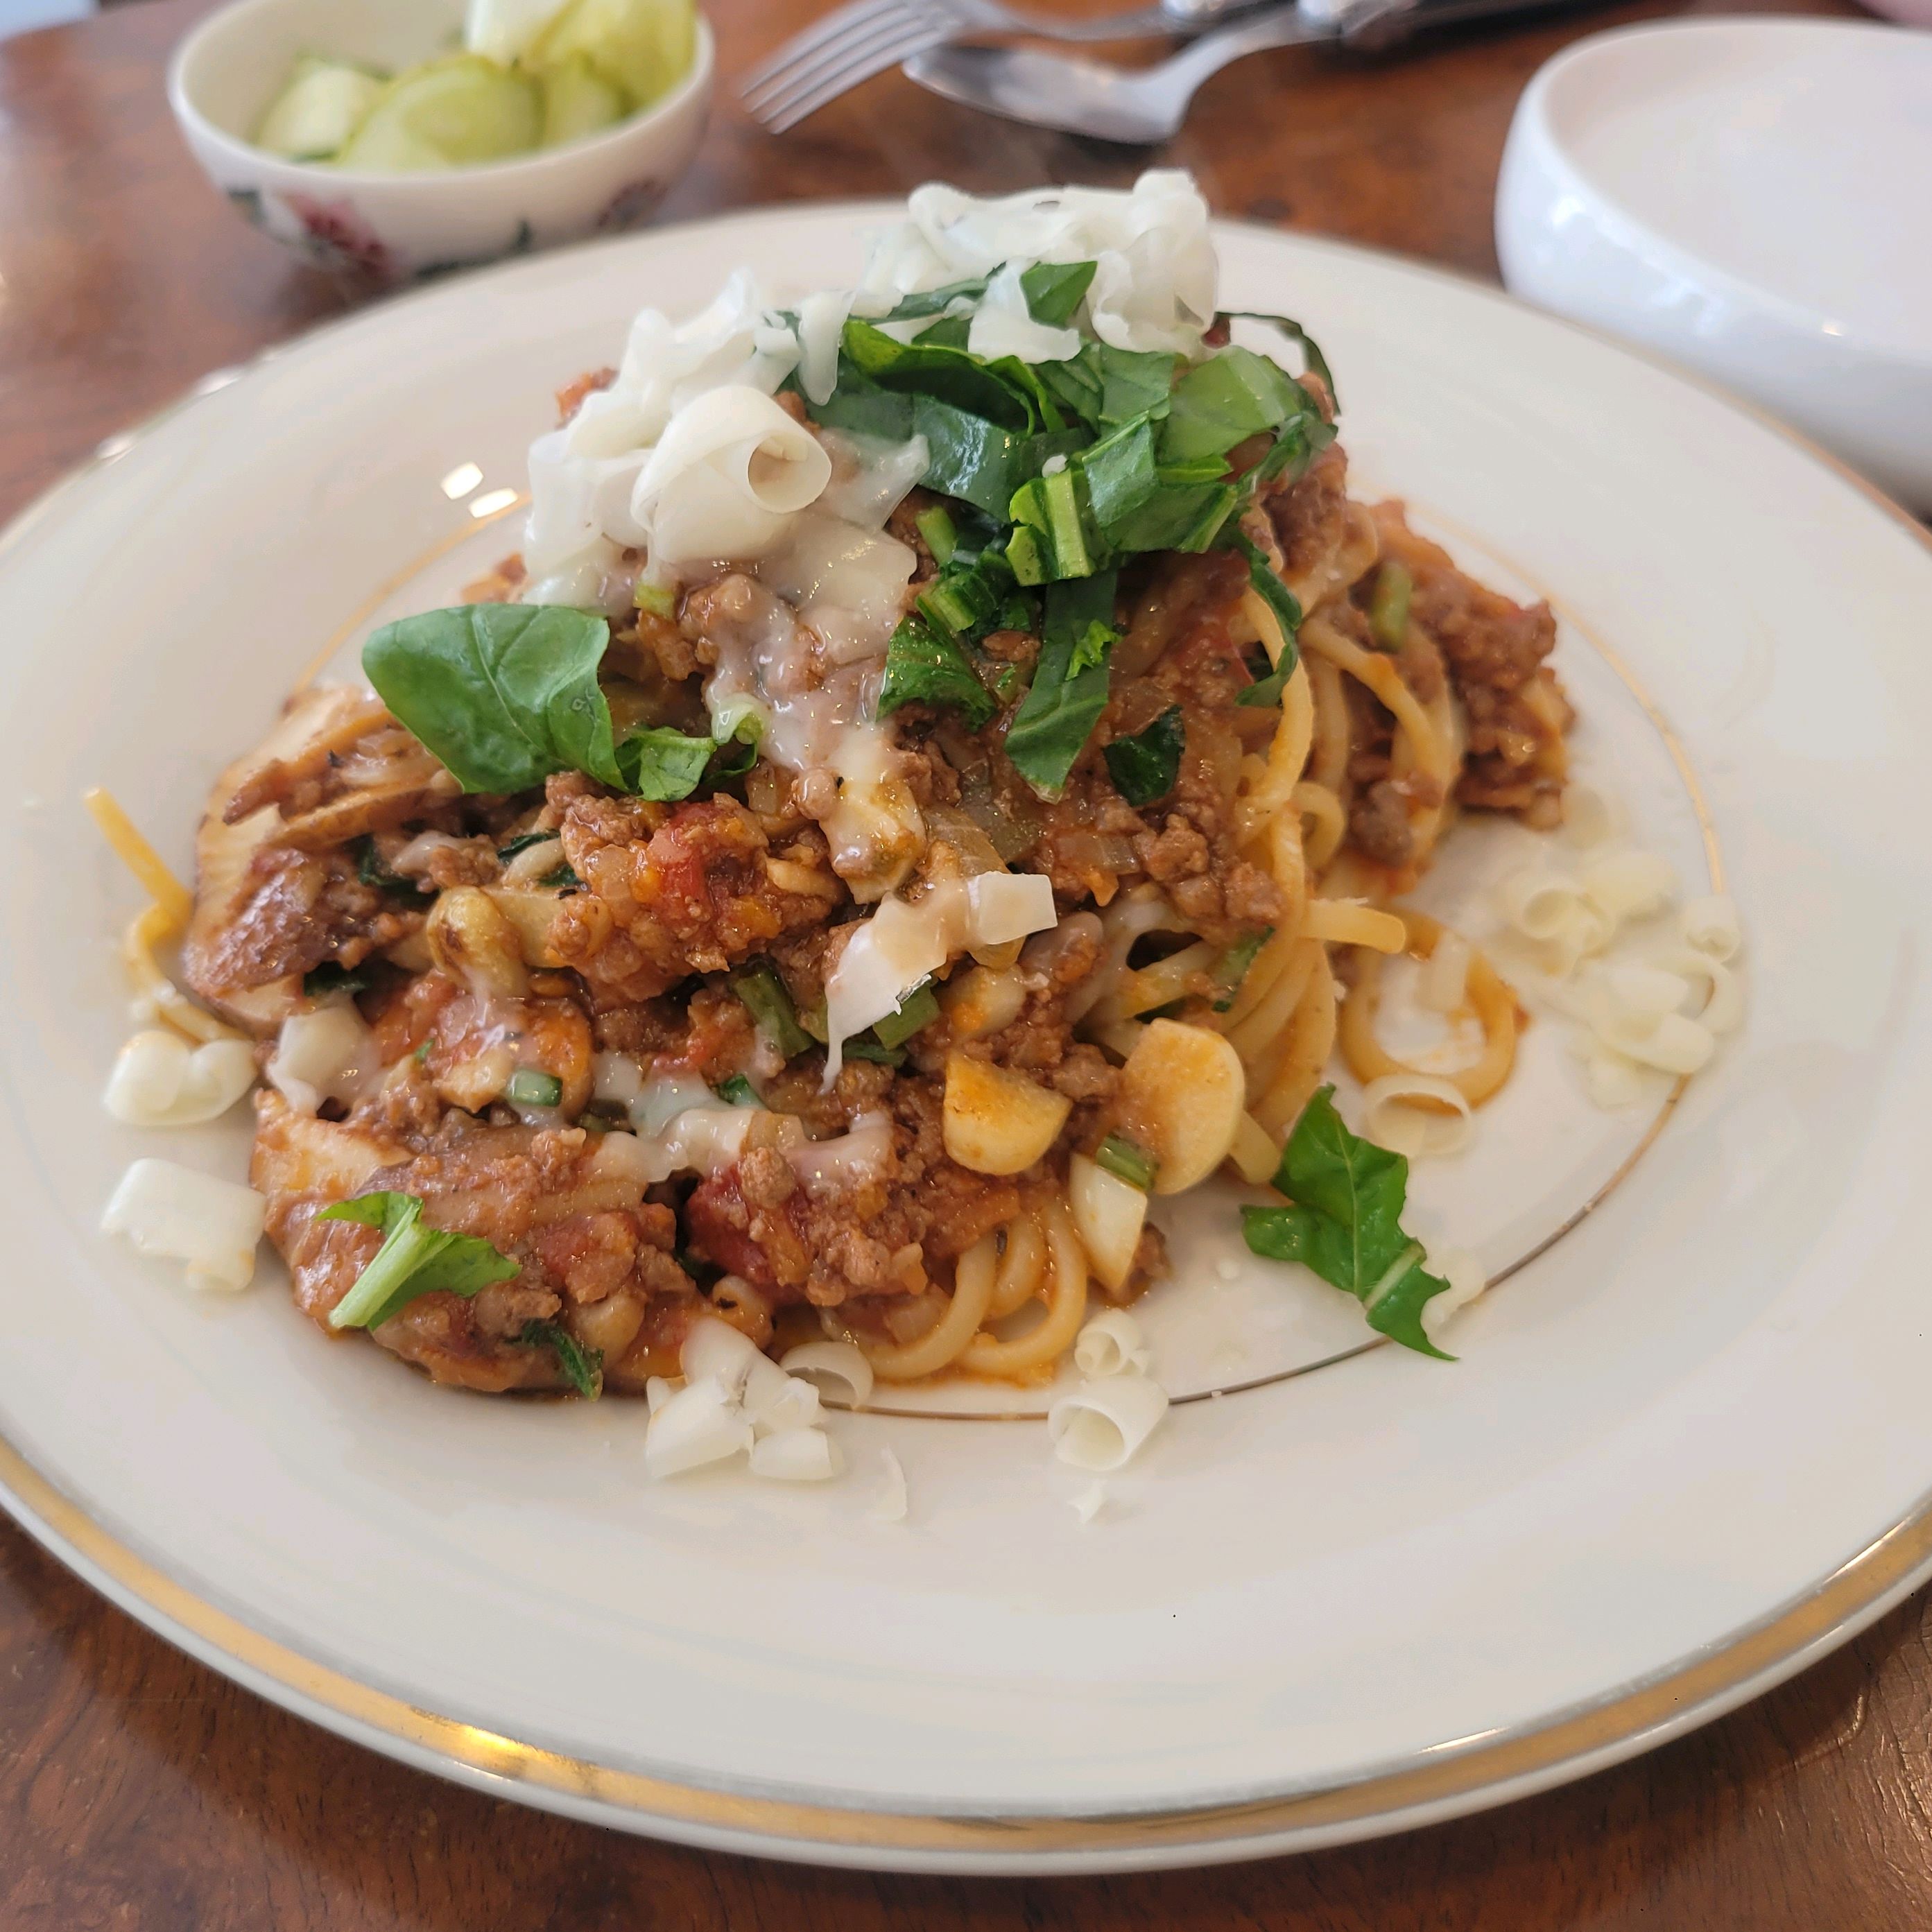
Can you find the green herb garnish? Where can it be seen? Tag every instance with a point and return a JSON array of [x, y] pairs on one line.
[[737, 1091], [769, 1002], [918, 1009], [1345, 1223], [523, 841], [1388, 605], [1231, 968], [1144, 766], [582, 1368], [413, 1261], [321, 982], [1063, 705], [1128, 1159], [532, 1087], [370, 871]]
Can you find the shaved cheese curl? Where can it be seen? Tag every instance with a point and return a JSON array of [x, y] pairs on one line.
[[795, 1456], [838, 1368], [160, 1081], [1624, 886], [1710, 925], [1391, 1118], [1108, 1345], [210, 1225], [888, 1505], [698, 1425], [1102, 1424]]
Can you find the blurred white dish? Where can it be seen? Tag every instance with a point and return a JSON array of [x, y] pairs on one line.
[[396, 227], [1751, 197]]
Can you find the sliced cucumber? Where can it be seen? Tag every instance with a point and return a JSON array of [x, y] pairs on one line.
[[577, 101], [317, 113], [502, 30], [644, 46], [449, 113]]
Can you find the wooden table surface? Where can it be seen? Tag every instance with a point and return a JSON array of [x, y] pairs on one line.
[[139, 1790]]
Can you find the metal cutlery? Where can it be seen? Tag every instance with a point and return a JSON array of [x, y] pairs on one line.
[[855, 42], [1149, 104]]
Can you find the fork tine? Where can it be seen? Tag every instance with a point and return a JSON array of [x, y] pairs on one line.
[[782, 109], [889, 27], [806, 49]]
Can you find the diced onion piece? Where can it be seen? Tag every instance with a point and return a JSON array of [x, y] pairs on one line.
[[1390, 1118], [212, 1225], [888, 1505], [714, 1349], [160, 1081], [1444, 981], [1710, 925], [774, 1400], [327, 1054], [1111, 1343], [795, 1456], [1102, 1424], [1182, 1093], [980, 1001], [838, 1368], [1109, 1215], [1624, 886], [698, 1425], [1002, 906], [1466, 1279], [998, 1122], [658, 1390]]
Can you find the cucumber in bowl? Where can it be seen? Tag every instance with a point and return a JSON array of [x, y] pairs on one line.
[[535, 74]]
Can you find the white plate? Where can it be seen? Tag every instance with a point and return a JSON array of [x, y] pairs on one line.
[[1753, 197], [1686, 1449]]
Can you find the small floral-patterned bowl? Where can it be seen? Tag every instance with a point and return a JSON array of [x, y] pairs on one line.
[[400, 227]]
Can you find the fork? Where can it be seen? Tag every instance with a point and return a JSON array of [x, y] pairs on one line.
[[858, 40]]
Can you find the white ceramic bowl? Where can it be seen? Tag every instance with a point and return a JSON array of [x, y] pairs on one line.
[[398, 226], [1753, 197]]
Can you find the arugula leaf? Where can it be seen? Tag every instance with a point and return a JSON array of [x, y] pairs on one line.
[[332, 977], [1233, 395], [1346, 1223], [413, 1260], [503, 693], [662, 764], [1054, 290], [1268, 688], [1295, 333], [1144, 766], [1058, 713], [925, 665], [582, 1368]]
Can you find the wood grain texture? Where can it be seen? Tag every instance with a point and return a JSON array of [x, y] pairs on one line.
[[139, 1790]]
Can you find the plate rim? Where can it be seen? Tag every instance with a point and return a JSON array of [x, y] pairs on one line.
[[1470, 1776]]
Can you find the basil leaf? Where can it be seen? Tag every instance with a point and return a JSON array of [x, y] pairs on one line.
[[1134, 382], [582, 1368], [503, 693], [1054, 290], [563, 875], [924, 665], [1346, 1223], [662, 764], [993, 391], [1233, 395], [370, 871], [523, 841], [1287, 608], [936, 301], [413, 1260], [1059, 712], [1295, 333], [1145, 766]]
